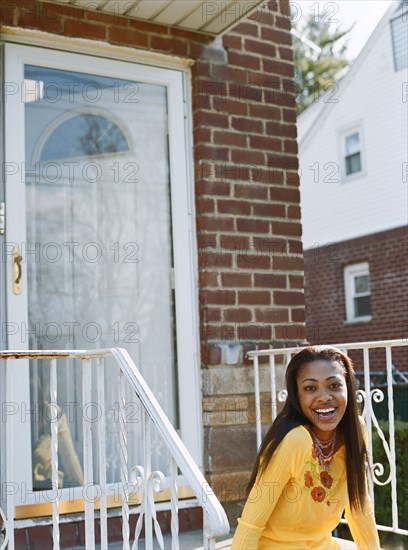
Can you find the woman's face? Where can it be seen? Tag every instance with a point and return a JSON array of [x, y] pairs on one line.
[[322, 394]]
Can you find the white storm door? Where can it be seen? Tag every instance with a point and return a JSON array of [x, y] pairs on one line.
[[97, 205]]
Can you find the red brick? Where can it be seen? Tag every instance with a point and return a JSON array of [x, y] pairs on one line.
[[109, 19], [298, 315], [73, 12], [145, 26], [254, 331], [73, 27], [270, 245], [290, 146], [246, 29], [284, 195], [294, 212], [202, 69], [205, 205], [286, 54], [272, 315], [288, 263], [278, 67], [190, 35], [251, 191], [241, 60], [208, 278], [270, 280], [233, 207], [280, 130], [206, 152], [248, 225], [269, 210], [246, 125], [234, 242], [195, 516], [290, 332], [275, 36], [288, 298], [212, 119], [289, 115], [69, 534], [210, 258], [266, 143], [212, 188], [253, 261], [292, 178], [211, 354], [218, 297], [237, 315], [221, 331], [20, 535], [232, 42], [284, 228], [41, 21], [234, 74], [247, 156], [236, 279], [202, 135], [255, 297], [212, 314], [212, 223], [125, 36], [282, 22], [211, 87], [270, 174], [225, 105], [295, 247], [261, 48], [284, 162], [40, 537], [296, 281], [230, 138]]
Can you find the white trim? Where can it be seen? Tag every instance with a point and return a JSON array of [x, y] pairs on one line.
[[350, 272], [96, 48], [356, 128], [182, 207]]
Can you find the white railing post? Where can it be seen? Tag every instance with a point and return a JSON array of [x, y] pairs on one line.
[[258, 412], [391, 425], [368, 412], [175, 545], [102, 451], [54, 416], [147, 448], [124, 462], [272, 373], [9, 457], [88, 463]]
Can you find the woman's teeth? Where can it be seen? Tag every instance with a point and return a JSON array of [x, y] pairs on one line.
[[325, 413]]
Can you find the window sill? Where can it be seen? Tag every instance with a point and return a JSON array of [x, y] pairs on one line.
[[366, 319]]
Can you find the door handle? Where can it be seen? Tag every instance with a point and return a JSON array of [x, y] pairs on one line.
[[17, 270]]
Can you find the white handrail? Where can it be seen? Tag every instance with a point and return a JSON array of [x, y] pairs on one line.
[[215, 519]]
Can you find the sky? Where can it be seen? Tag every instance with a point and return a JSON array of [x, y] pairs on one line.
[[366, 14]]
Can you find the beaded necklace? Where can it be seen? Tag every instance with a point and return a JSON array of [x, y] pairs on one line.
[[324, 450]]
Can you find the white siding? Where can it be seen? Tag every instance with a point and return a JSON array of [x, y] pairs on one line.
[[372, 95]]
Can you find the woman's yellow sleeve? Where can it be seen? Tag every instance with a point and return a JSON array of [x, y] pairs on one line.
[[265, 493]]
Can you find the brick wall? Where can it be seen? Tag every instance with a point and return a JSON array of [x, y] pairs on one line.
[[386, 253], [247, 202]]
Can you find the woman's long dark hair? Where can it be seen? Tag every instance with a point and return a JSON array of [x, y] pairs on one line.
[[292, 416]]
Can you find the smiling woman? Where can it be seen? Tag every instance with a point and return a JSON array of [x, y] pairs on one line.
[[311, 464]]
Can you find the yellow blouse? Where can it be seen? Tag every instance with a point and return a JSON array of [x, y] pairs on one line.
[[294, 503]]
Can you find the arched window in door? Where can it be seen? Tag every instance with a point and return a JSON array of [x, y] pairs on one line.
[[83, 135]]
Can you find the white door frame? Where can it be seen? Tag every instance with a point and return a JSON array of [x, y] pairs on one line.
[[183, 225]]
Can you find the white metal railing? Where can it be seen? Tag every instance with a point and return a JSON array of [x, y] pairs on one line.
[[365, 396], [140, 476]]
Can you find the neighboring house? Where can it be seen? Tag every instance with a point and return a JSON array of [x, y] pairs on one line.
[[353, 159], [151, 202]]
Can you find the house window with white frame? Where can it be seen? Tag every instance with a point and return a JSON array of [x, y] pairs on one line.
[[352, 153], [399, 37], [357, 292]]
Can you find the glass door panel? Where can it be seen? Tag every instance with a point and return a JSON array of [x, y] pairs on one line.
[[99, 249]]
